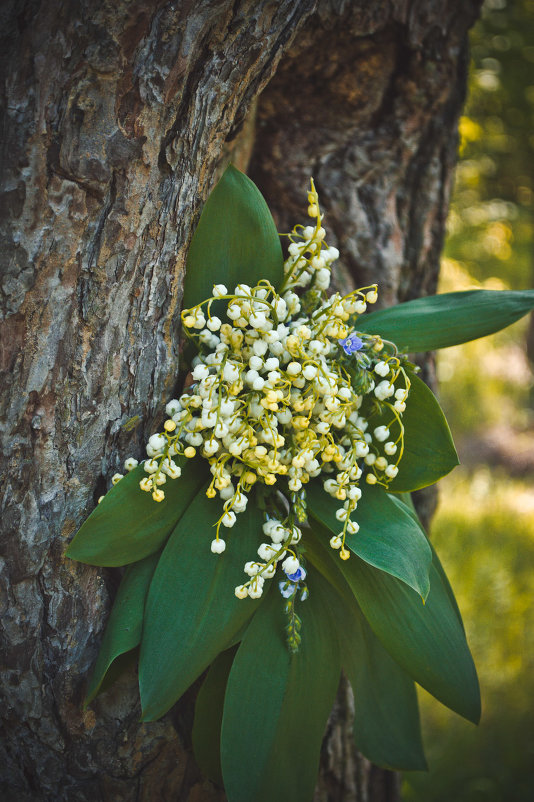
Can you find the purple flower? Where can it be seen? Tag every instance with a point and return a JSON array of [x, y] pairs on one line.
[[299, 574], [286, 589], [351, 344]]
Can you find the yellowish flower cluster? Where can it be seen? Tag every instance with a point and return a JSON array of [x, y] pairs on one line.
[[278, 389]]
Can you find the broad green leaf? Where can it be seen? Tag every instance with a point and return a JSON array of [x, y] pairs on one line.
[[405, 500], [277, 704], [235, 241], [128, 524], [388, 537], [191, 612], [208, 717], [427, 641], [387, 728], [125, 623], [386, 722], [429, 452], [440, 321]]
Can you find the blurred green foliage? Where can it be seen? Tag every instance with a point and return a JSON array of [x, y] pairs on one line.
[[484, 534], [491, 226], [484, 527], [487, 382]]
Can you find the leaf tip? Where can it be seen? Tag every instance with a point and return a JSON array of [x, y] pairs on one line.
[[151, 710], [424, 590], [91, 694], [147, 716], [475, 710], [230, 167], [72, 551]]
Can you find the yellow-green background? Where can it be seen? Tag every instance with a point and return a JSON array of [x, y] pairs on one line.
[[484, 527]]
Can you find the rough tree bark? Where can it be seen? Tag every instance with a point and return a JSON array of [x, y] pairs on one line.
[[115, 117]]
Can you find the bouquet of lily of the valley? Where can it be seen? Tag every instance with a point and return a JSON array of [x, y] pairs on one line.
[[269, 533]]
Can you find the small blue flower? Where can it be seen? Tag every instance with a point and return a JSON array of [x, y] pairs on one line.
[[351, 344], [286, 589], [299, 574]]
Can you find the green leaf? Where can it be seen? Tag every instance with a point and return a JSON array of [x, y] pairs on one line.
[[429, 452], [386, 722], [427, 641], [277, 703], [128, 524], [191, 612], [405, 501], [125, 623], [387, 728], [235, 241], [440, 321], [208, 717], [388, 537]]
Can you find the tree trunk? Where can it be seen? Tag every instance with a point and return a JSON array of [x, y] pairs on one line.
[[116, 120]]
